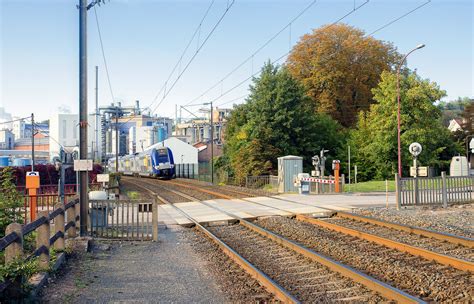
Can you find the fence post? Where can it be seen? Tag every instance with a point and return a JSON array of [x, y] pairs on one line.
[[154, 219], [15, 250], [398, 191], [42, 241], [71, 217], [343, 182], [59, 227], [77, 211], [444, 189]]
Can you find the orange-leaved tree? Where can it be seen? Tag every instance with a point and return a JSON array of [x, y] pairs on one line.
[[339, 66]]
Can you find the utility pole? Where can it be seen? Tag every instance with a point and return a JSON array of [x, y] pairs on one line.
[[212, 145], [116, 140], [97, 115], [32, 142], [83, 195]]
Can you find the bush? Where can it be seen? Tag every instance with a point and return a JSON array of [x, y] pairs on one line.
[[10, 201]]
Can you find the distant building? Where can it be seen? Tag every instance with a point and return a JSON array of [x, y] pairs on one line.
[[183, 153], [64, 131], [41, 143], [7, 139], [199, 130], [455, 125], [136, 129], [5, 117]]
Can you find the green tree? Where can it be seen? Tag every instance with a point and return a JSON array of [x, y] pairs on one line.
[[10, 201], [339, 66], [375, 139], [276, 120]]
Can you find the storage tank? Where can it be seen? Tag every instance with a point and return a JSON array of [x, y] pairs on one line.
[[459, 166], [21, 162], [288, 169], [4, 161]]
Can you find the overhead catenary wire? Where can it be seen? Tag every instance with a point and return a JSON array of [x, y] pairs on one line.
[[400, 17], [286, 53], [178, 63], [370, 34], [229, 6], [258, 50], [103, 55]]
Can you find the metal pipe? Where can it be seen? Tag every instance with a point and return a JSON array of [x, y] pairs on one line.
[[83, 199]]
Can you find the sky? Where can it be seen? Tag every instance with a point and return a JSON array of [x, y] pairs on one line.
[[144, 39]]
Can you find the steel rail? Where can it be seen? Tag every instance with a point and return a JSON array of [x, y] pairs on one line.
[[371, 283], [426, 254], [384, 289], [201, 190], [280, 293], [226, 189], [468, 242]]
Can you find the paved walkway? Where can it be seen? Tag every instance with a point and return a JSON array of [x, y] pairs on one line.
[[285, 204], [147, 272]]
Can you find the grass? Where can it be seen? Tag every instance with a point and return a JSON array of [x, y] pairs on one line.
[[370, 186]]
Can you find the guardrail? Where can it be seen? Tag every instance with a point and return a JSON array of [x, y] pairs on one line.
[[431, 191], [12, 243]]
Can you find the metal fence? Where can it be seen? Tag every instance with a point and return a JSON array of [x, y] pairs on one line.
[[442, 190], [124, 219], [187, 170]]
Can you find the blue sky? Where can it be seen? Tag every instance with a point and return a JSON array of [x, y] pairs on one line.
[[144, 38]]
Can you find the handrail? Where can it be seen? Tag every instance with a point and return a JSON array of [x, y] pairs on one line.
[[30, 227]]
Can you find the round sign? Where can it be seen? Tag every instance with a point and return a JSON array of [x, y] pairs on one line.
[[415, 149]]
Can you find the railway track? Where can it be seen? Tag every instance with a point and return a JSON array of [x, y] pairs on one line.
[[291, 272], [413, 270]]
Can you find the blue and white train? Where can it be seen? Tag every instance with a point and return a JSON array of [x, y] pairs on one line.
[[156, 162]]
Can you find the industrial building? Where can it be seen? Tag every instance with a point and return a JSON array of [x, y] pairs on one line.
[[136, 129], [64, 131], [7, 139], [199, 130]]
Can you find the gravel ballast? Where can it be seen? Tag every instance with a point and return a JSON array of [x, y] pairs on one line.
[[419, 277], [457, 219]]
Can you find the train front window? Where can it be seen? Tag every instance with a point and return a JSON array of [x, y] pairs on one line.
[[163, 156]]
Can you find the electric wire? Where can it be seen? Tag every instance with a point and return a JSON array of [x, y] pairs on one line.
[[103, 55], [48, 135], [401, 17], [184, 52], [14, 120], [229, 6], [258, 50], [355, 8], [189, 62], [286, 53]]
